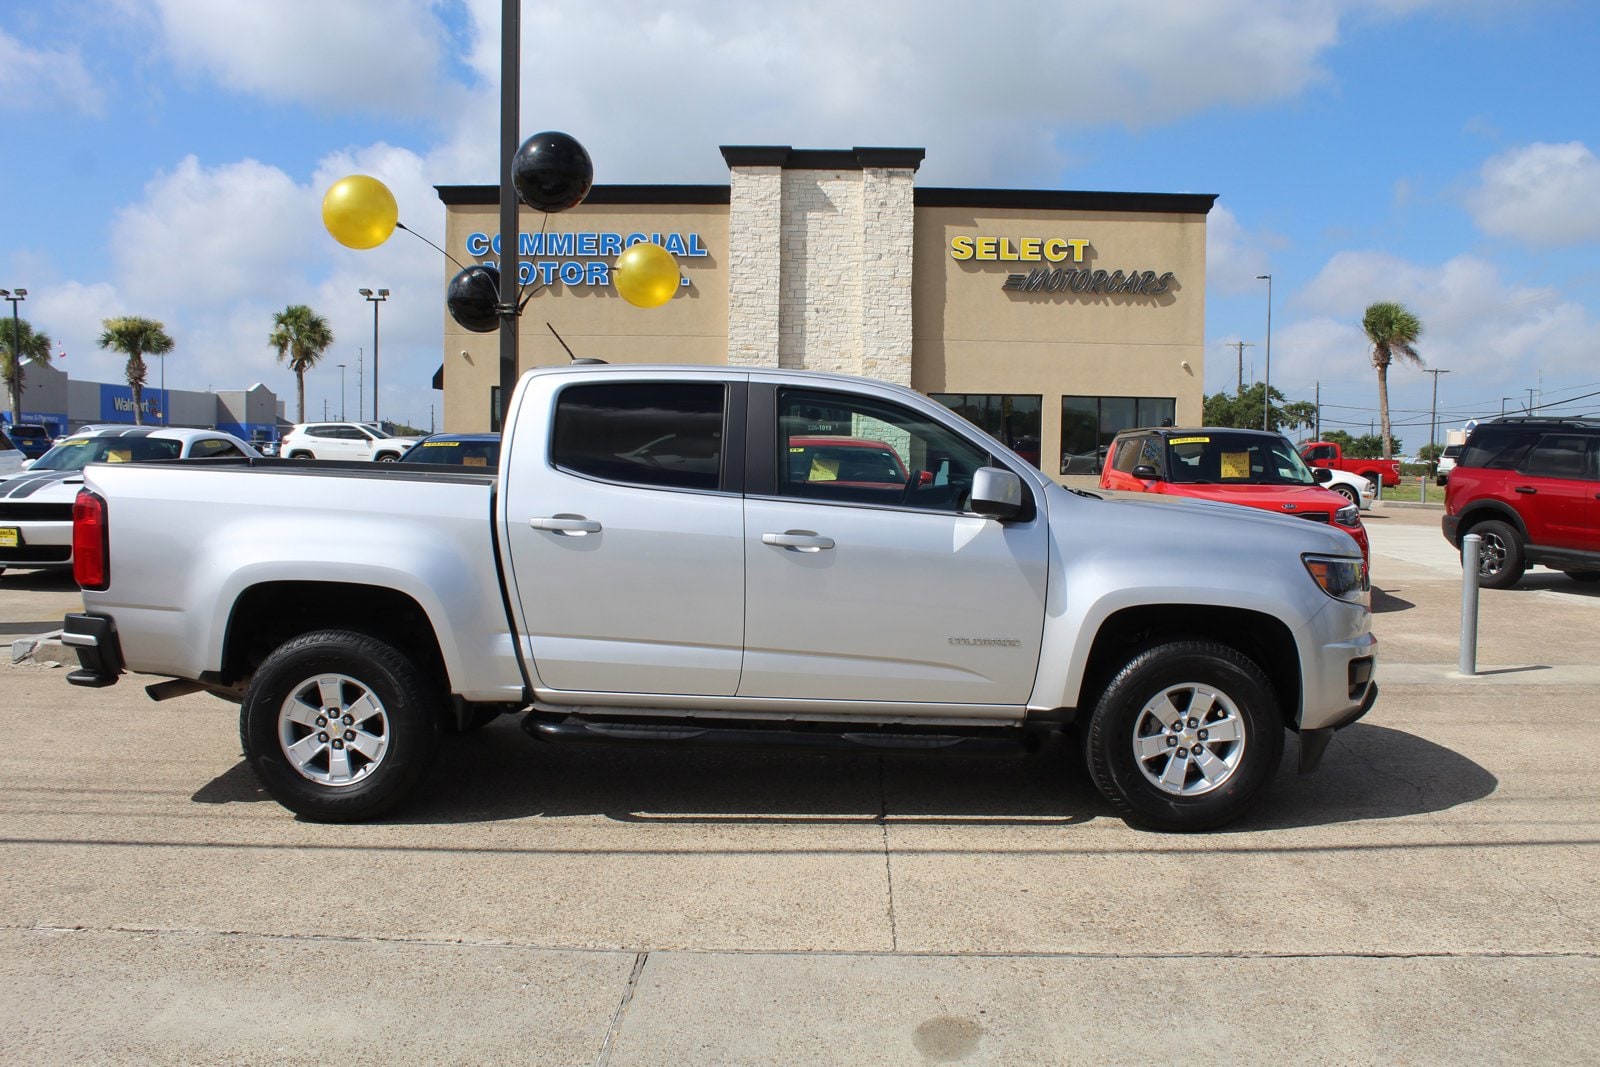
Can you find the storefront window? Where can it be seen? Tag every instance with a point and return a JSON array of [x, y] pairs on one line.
[[1088, 423], [1012, 419]]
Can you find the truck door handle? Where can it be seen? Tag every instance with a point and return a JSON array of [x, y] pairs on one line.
[[799, 540], [566, 524], [1530, 490]]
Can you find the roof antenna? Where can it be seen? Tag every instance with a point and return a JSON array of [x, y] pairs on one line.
[[570, 356]]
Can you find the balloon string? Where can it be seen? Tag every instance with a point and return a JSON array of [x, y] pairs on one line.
[[522, 301], [430, 244]]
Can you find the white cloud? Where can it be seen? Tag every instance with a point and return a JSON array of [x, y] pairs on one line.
[[1235, 258], [46, 79], [651, 90], [1540, 194], [1483, 329], [371, 56]]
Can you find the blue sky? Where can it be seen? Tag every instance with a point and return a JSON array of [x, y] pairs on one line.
[[167, 158]]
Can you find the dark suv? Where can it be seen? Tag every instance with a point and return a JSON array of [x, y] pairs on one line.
[[1530, 488], [34, 440]]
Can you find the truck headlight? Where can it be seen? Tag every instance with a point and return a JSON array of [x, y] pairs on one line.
[[1349, 515], [1340, 577]]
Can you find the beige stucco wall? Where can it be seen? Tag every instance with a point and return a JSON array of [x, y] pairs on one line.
[[973, 336], [593, 320]]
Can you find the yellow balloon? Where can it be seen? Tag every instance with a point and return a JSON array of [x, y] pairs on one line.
[[646, 275], [359, 211]]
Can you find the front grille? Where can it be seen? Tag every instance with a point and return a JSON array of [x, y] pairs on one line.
[[1316, 516], [23, 511]]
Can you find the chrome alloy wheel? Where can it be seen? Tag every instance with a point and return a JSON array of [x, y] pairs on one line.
[[1188, 739], [333, 729], [1491, 555]]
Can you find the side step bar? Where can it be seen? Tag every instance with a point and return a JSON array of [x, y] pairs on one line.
[[1002, 741]]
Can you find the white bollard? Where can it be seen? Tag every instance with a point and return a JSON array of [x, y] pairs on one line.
[[1468, 663]]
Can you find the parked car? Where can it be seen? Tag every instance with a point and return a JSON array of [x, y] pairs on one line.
[[36, 505], [1529, 487], [32, 438], [1256, 468], [456, 449], [11, 457], [1447, 463], [1358, 490], [1331, 455], [649, 564], [343, 440]]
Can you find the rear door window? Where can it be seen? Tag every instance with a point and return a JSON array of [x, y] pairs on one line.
[[666, 434]]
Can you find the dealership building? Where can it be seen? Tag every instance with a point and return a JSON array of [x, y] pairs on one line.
[[1050, 318]]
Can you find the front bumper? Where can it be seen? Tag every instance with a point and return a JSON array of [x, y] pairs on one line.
[[94, 638]]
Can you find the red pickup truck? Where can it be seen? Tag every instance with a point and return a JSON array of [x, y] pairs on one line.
[[1329, 454]]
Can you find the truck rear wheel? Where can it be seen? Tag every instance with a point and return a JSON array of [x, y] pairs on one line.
[[338, 726], [1184, 736]]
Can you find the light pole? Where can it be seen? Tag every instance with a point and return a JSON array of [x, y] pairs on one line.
[[16, 296], [1266, 384], [382, 295], [1433, 418], [341, 392]]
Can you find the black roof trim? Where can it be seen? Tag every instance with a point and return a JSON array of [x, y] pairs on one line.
[[600, 194], [858, 158], [1067, 200]]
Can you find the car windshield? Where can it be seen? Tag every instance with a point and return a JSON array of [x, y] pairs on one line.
[[456, 453], [76, 453], [1228, 458]]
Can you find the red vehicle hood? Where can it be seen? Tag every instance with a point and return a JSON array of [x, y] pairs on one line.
[[1269, 497]]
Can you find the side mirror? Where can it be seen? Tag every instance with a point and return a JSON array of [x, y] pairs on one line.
[[1145, 472], [1321, 475], [996, 493]]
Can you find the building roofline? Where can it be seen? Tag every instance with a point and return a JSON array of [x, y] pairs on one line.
[[458, 195]]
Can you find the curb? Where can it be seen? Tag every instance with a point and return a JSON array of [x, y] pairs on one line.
[[43, 650]]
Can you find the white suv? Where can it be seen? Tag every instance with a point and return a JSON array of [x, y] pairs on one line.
[[343, 440]]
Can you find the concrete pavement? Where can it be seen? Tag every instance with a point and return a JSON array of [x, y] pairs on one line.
[[1425, 897]]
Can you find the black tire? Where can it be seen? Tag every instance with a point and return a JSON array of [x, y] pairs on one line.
[[1500, 559], [1240, 729], [301, 455], [1348, 493], [388, 457], [1577, 576], [391, 718]]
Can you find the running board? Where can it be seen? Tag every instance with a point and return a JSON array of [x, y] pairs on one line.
[[590, 731]]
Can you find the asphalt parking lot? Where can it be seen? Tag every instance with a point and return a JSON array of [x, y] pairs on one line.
[[1426, 897]]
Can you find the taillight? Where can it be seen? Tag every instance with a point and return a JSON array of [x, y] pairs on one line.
[[91, 541]]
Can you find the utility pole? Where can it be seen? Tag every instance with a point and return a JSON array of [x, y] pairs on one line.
[[1433, 419], [360, 376], [1530, 400], [1241, 346]]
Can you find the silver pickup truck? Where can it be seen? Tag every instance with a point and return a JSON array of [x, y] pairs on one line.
[[684, 555]]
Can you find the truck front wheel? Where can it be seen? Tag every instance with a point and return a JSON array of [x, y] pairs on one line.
[[1184, 735], [338, 726]]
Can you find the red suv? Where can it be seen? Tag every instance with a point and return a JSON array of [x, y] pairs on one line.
[[1255, 468], [1530, 488]]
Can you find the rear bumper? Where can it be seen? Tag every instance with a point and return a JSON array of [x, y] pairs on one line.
[[94, 638]]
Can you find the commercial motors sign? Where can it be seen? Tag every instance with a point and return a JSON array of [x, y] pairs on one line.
[[1054, 275], [572, 258]]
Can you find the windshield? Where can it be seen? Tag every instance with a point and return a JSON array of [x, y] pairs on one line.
[[456, 453], [76, 453], [1228, 458]]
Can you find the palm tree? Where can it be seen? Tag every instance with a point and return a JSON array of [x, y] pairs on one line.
[[301, 336], [30, 345], [1393, 331], [136, 338]]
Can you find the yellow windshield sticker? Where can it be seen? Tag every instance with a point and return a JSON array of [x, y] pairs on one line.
[[1189, 441], [76, 441], [440, 444], [122, 455], [793, 449], [1236, 464], [823, 470], [474, 461]]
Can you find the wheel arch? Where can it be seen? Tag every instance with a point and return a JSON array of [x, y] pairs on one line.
[[1260, 637], [270, 613], [1486, 510]]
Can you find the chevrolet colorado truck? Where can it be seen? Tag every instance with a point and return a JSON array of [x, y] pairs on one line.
[[669, 555]]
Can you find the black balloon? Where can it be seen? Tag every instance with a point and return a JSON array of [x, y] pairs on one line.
[[473, 294], [551, 172]]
